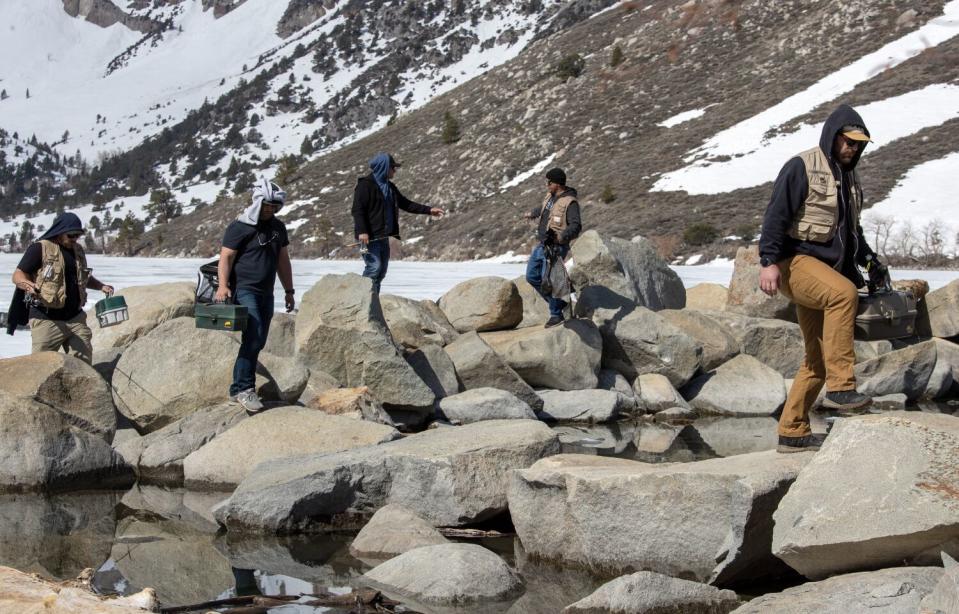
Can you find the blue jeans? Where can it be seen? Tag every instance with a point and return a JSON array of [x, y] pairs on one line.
[[260, 312], [535, 269], [377, 259]]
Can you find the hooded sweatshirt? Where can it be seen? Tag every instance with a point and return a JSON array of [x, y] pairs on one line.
[[848, 246], [375, 202]]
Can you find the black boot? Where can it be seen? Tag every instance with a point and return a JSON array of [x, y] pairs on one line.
[[846, 400], [553, 321], [806, 443]]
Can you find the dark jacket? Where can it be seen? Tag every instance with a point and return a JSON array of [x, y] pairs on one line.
[[574, 224], [370, 209], [848, 246]]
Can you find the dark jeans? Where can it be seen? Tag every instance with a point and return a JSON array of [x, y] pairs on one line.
[[535, 269], [377, 259], [260, 313]]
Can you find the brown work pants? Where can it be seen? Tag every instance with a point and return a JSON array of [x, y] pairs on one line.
[[826, 304], [73, 336]]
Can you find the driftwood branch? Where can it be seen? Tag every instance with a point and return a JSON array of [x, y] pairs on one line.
[[471, 533]]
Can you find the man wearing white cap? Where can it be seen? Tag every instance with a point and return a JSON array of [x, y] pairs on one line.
[[810, 249]]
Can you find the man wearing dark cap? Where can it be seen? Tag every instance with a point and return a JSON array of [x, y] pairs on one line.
[[53, 273], [810, 249], [375, 215], [558, 224]]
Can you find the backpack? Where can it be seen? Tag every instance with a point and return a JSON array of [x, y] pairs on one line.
[[207, 282]]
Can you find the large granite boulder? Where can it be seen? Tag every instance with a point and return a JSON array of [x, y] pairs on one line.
[[435, 368], [483, 303], [281, 340], [41, 449], [23, 593], [895, 474], [656, 393], [480, 404], [582, 405], [279, 433], [615, 274], [776, 344], [393, 530], [446, 575], [746, 298], [565, 357], [341, 330], [741, 387], [718, 343], [618, 515], [898, 590], [944, 379], [158, 456], [478, 366], [414, 324], [535, 307], [449, 476], [65, 383], [644, 342], [647, 592], [148, 307], [281, 378], [906, 371], [939, 312], [707, 296], [608, 379], [944, 598]]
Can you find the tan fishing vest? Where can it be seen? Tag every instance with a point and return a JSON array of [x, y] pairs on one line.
[[557, 214], [51, 277], [818, 216]]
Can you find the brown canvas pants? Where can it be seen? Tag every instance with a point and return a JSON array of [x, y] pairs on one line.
[[73, 336], [826, 308]]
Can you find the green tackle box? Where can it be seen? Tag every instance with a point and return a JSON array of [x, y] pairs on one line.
[[220, 316]]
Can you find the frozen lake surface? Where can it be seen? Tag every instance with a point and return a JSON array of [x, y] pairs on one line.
[[417, 280]]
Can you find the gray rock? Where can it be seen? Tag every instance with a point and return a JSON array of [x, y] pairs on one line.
[[535, 307], [944, 378], [581, 405], [775, 343], [158, 456], [867, 350], [608, 379], [341, 330], [446, 574], [707, 296], [27, 593], [888, 591], [319, 382], [895, 473], [718, 344], [147, 307], [940, 316], [105, 363], [433, 365], [890, 402], [483, 303], [657, 394], [281, 340], [746, 298], [414, 324], [279, 433], [40, 449], [354, 403], [450, 476], [741, 387], [652, 593], [478, 366], [66, 384], [481, 404], [643, 342], [614, 274], [565, 357], [619, 515], [944, 598], [393, 530], [906, 371], [284, 378]]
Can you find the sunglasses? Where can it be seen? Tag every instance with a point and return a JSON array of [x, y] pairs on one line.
[[852, 143]]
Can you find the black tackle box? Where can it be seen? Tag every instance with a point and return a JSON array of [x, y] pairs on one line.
[[889, 314]]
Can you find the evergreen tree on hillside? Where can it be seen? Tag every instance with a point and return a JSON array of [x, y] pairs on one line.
[[306, 147], [451, 129], [287, 169], [163, 206]]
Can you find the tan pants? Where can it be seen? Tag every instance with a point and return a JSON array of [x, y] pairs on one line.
[[826, 305], [72, 336]]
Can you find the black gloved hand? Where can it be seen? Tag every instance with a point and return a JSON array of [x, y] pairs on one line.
[[550, 237], [878, 273]]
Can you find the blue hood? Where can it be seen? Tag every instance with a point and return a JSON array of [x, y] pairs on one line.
[[380, 165], [64, 223]]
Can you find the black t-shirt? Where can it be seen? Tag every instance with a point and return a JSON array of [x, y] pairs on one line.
[[30, 264], [258, 250]]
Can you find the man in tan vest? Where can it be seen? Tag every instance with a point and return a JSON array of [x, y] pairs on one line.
[[54, 274], [559, 223], [810, 249]]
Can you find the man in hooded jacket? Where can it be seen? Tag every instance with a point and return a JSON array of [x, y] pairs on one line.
[[375, 215], [254, 252], [54, 274], [810, 249]]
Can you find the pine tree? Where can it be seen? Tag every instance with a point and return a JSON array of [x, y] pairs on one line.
[[163, 206], [607, 196], [306, 147], [287, 169], [451, 129], [616, 58]]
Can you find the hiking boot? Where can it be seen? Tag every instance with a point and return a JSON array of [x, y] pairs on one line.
[[248, 401], [806, 443], [553, 321], [846, 400]]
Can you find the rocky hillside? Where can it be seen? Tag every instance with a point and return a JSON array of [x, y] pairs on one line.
[[592, 100]]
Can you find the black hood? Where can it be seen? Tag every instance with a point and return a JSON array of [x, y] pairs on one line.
[[64, 223], [567, 191], [843, 115]]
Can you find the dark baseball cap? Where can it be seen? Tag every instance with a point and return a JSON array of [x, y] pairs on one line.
[[394, 163]]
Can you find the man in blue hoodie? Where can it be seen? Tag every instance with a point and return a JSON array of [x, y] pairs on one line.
[[375, 215], [810, 249]]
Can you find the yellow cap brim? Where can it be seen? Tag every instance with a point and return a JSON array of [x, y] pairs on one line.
[[856, 135]]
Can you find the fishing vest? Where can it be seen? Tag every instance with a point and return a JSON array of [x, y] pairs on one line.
[[557, 214], [818, 216], [51, 277]]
